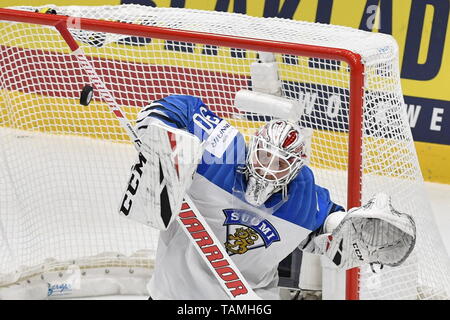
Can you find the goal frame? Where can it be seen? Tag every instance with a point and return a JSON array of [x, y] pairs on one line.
[[354, 61]]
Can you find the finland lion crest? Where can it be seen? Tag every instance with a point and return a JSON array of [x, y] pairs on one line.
[[247, 231]]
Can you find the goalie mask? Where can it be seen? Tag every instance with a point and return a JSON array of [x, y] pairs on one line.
[[276, 155]]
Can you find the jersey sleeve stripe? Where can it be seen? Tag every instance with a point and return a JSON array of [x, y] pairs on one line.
[[166, 120]]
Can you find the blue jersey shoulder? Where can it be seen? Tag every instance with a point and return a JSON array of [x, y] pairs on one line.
[[190, 113], [224, 145], [308, 204]]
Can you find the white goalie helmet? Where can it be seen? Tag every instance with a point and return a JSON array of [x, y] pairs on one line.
[[276, 154]]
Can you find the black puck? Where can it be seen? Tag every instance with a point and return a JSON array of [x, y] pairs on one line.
[[86, 95]]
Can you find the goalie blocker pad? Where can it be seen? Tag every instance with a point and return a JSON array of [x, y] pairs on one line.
[[161, 175]]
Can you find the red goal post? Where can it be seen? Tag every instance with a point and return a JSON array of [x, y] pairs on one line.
[[356, 70]]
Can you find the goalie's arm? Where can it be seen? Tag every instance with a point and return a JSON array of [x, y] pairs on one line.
[[181, 112], [164, 166], [171, 131]]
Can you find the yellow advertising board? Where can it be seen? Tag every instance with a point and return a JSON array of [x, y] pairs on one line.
[[421, 28]]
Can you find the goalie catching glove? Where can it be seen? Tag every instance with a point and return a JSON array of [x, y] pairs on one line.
[[375, 233]]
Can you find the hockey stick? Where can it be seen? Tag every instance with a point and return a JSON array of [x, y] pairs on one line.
[[201, 236]]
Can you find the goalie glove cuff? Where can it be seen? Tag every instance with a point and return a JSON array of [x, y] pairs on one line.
[[333, 220]]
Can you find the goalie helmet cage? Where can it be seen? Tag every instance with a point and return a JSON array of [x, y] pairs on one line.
[[64, 165]]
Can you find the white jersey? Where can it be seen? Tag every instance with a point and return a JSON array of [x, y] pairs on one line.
[[256, 243]]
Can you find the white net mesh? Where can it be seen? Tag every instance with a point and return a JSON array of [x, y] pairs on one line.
[[64, 165]]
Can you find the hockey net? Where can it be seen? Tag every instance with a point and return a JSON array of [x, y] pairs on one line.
[[64, 166]]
